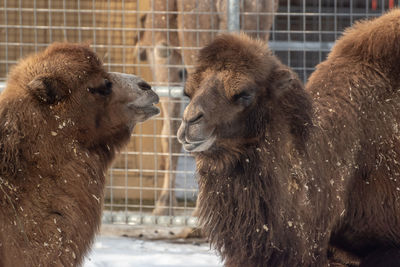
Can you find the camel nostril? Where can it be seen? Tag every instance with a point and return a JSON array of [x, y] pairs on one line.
[[144, 86], [196, 119]]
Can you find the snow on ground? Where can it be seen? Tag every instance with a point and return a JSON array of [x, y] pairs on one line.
[[129, 252]]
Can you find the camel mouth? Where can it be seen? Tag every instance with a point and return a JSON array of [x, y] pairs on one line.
[[146, 105], [199, 146], [146, 111], [194, 139], [191, 146], [151, 110]]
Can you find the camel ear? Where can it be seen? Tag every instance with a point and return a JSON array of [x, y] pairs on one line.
[[285, 80], [47, 89], [293, 102]]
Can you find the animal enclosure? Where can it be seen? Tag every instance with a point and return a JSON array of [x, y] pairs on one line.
[[126, 36]]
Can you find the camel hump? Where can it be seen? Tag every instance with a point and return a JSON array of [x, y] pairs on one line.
[[375, 40]]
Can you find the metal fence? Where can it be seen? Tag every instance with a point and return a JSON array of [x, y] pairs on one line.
[[158, 40]]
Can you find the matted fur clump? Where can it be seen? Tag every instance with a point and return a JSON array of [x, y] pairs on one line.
[[294, 177], [62, 117]]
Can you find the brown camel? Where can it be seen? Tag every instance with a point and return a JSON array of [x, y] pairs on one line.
[[62, 119], [294, 177]]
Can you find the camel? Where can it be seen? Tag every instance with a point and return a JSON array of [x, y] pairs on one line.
[[62, 119], [299, 177]]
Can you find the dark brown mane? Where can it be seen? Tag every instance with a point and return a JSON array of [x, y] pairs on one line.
[[240, 207]]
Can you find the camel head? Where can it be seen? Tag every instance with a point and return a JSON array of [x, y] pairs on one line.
[[69, 83], [237, 86]]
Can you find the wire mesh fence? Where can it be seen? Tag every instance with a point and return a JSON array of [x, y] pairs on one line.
[[153, 179]]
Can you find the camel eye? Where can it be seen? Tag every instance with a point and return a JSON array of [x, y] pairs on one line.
[[245, 98], [243, 95]]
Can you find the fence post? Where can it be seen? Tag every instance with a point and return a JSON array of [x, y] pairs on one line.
[[233, 16]]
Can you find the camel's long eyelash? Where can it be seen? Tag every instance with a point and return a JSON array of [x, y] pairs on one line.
[[243, 95]]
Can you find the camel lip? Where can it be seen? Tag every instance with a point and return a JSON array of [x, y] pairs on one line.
[[149, 104], [151, 110], [199, 146], [190, 146]]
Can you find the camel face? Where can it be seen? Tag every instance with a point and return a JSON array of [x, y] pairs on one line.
[[220, 102], [116, 101], [137, 96], [232, 80]]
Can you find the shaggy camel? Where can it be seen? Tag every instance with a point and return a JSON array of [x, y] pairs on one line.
[[173, 40], [62, 118], [294, 177]]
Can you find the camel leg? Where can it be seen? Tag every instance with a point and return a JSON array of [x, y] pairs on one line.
[[167, 200], [166, 65], [192, 15], [170, 107], [255, 24], [165, 62]]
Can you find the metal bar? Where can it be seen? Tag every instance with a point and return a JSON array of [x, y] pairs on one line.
[[233, 16], [150, 188], [136, 218], [169, 91], [310, 12], [5, 36]]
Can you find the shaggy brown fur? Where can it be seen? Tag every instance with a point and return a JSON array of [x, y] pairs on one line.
[[286, 173], [62, 117]]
